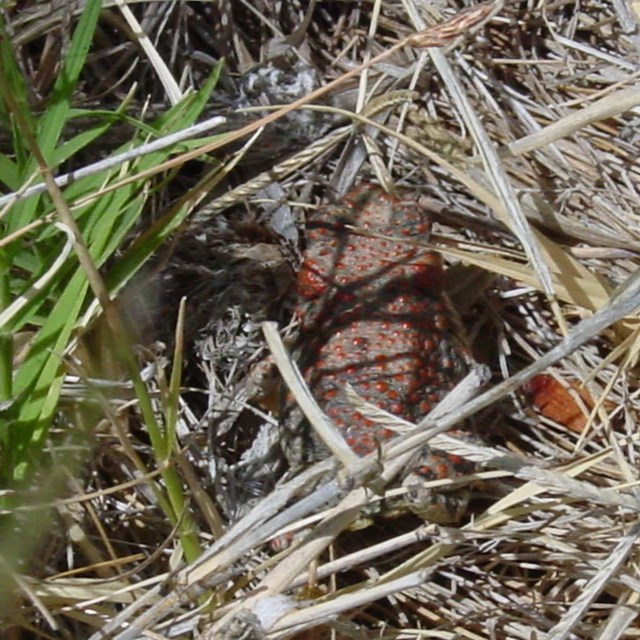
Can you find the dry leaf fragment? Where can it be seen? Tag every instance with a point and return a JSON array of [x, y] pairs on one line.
[[557, 401]]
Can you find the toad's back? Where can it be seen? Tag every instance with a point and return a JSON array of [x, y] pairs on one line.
[[374, 315]]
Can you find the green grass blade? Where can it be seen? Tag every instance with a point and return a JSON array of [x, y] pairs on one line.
[[51, 123], [9, 173], [9, 68], [57, 113]]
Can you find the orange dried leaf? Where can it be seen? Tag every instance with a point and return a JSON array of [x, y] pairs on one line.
[[557, 401]]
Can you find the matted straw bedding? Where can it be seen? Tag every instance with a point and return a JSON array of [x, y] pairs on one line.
[[519, 132]]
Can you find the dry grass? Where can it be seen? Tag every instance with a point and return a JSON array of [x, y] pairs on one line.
[[521, 136]]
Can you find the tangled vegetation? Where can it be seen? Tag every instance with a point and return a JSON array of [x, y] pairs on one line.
[[156, 163]]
